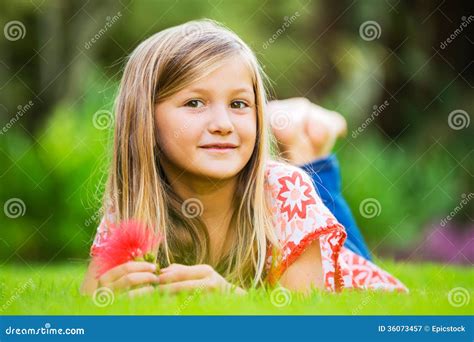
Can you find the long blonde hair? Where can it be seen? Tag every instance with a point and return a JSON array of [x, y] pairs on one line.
[[159, 67]]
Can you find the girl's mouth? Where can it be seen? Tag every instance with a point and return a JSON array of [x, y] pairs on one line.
[[219, 147]]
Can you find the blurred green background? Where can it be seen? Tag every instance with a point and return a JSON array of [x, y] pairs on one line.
[[60, 64]]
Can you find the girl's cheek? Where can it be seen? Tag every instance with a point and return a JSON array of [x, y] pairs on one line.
[[248, 131], [188, 127]]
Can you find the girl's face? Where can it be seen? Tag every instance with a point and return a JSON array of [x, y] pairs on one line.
[[209, 128]]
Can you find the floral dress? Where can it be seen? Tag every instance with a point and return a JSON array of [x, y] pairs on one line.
[[299, 218]]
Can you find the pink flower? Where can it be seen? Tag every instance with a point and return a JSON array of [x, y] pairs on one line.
[[129, 241]]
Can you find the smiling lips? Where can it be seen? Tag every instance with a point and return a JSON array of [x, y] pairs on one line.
[[219, 147]]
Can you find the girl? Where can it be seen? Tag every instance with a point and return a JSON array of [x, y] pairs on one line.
[[191, 132]]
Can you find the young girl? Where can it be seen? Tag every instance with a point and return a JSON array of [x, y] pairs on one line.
[[190, 130]]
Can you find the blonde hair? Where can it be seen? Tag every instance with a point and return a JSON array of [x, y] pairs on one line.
[[159, 67]]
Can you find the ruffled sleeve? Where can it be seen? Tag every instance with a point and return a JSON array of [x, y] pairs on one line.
[[299, 218]]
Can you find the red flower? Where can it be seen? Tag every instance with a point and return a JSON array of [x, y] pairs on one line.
[[129, 241]]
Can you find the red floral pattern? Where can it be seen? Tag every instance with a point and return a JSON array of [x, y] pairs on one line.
[[300, 217], [295, 195]]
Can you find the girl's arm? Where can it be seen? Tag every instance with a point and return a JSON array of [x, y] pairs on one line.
[[90, 283], [306, 272]]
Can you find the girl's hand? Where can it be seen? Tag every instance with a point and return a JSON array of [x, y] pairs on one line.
[[177, 277], [136, 277]]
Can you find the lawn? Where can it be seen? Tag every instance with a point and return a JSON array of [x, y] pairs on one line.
[[54, 290]]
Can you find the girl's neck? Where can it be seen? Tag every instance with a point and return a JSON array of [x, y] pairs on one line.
[[215, 197], [216, 200]]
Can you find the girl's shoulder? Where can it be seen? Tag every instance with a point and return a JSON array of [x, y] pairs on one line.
[[280, 167], [292, 193], [281, 173]]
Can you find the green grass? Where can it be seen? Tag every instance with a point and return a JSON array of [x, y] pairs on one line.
[[54, 290]]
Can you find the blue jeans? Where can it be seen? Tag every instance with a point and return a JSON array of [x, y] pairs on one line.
[[327, 179]]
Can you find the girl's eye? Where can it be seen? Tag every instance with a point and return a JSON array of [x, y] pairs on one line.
[[194, 104], [238, 104]]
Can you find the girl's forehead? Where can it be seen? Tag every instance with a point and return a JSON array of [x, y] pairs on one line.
[[232, 74]]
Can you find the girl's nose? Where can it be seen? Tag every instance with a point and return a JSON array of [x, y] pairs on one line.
[[220, 122]]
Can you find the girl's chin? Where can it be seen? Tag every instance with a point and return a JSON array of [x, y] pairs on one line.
[[219, 171]]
